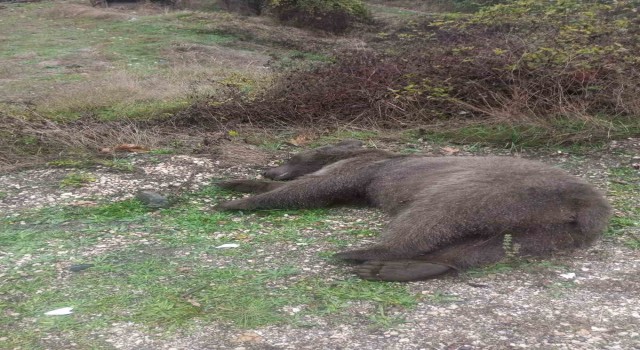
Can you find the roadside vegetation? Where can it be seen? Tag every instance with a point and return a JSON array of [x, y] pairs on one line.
[[525, 73], [517, 74]]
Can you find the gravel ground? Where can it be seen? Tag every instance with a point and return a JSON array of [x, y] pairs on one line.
[[587, 300]]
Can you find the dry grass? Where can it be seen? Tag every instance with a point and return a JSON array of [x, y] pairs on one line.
[[115, 63], [124, 11], [219, 59], [82, 11], [123, 91], [119, 87], [35, 139]]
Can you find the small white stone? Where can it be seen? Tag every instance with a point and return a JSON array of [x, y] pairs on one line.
[[60, 312], [228, 245]]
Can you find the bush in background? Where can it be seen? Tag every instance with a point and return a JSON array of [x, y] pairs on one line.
[[246, 7], [563, 70], [329, 15]]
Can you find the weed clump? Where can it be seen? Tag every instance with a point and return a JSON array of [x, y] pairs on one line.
[[77, 179]]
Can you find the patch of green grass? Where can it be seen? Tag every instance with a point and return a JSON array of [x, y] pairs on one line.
[[338, 296], [563, 133], [363, 232], [70, 163], [299, 58], [256, 228], [117, 111], [77, 179], [442, 298], [410, 149], [127, 286], [345, 134], [3, 195], [618, 225], [161, 151], [507, 136], [162, 269], [632, 242], [29, 240], [43, 47], [559, 289], [126, 209], [119, 164], [153, 290], [50, 217], [511, 264], [272, 145], [624, 185], [138, 43]]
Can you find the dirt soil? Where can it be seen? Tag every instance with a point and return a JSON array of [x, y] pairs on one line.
[[586, 300]]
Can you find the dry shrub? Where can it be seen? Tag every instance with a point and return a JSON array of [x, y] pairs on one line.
[[334, 16], [354, 91], [569, 66], [534, 59], [245, 7], [36, 139]]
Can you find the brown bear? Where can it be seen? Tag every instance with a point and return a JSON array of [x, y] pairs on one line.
[[448, 213]]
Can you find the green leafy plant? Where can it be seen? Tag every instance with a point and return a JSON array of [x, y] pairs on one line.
[[77, 179]]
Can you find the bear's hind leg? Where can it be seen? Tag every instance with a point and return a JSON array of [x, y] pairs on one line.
[[467, 253], [400, 270]]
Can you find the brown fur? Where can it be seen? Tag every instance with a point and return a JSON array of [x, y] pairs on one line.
[[448, 212]]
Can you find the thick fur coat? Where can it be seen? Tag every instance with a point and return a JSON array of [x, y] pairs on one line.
[[448, 213]]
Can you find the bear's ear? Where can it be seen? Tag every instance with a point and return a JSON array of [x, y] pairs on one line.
[[349, 143]]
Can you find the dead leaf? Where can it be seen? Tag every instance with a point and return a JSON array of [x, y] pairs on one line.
[[449, 150], [193, 302], [183, 269], [130, 147], [248, 337], [106, 150], [242, 237], [301, 140]]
